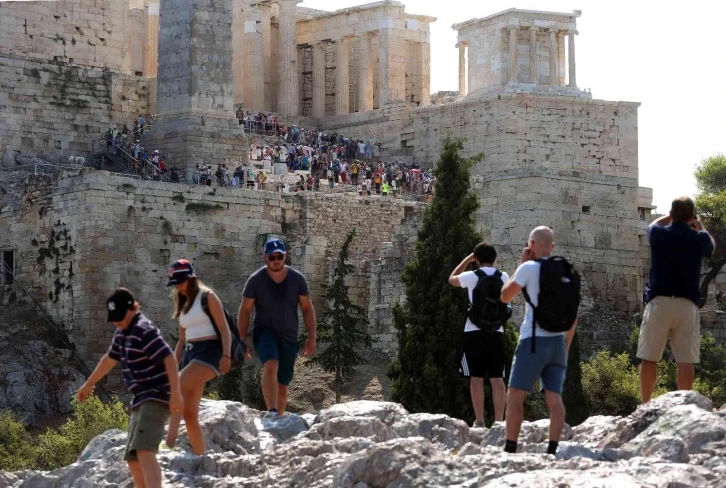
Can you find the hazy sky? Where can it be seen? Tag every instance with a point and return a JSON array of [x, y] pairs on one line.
[[670, 59]]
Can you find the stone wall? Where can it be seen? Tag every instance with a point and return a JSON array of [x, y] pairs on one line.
[[79, 236], [53, 106], [71, 31]]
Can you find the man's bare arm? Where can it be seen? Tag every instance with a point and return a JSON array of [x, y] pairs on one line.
[[510, 290], [454, 277]]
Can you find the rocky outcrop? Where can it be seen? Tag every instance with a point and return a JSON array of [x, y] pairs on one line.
[[37, 379], [676, 440]]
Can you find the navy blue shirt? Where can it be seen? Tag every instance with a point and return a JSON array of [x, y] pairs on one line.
[[276, 304], [141, 349], [676, 253]]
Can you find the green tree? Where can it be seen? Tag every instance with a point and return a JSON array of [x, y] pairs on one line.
[[342, 325], [711, 206], [573, 394], [429, 324], [17, 449]]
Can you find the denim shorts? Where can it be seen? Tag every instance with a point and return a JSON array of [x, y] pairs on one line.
[[207, 353], [548, 363], [270, 348]]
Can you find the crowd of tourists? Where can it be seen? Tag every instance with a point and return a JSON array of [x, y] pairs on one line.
[[168, 383]]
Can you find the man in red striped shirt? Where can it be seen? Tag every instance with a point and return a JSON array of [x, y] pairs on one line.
[[151, 375]]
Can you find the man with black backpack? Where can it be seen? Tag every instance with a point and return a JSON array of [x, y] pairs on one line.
[[551, 288], [483, 342]]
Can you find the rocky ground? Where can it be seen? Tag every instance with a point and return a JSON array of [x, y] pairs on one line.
[[676, 441], [37, 378]]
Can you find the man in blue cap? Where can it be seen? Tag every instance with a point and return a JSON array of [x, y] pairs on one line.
[[275, 292]]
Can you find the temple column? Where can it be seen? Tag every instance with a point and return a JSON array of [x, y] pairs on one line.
[[319, 80], [342, 74], [365, 73], [288, 73], [553, 57], [462, 69], [254, 81], [513, 68], [266, 24], [571, 49], [151, 50], [533, 54]]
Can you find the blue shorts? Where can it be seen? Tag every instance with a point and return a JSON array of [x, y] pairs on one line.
[[548, 363], [207, 353], [270, 348]]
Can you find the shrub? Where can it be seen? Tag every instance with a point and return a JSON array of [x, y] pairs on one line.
[[243, 384], [61, 447], [17, 450], [611, 384]]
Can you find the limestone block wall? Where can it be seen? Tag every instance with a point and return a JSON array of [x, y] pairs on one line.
[[79, 236], [53, 106], [526, 131], [73, 31]]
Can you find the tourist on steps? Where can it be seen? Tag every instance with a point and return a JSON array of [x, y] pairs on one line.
[[678, 244], [544, 342], [201, 352], [151, 376], [275, 292]]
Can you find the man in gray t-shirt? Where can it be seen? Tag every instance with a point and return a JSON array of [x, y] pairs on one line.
[[275, 292]]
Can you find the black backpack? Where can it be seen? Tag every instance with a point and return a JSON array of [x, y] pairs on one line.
[[487, 310], [237, 348], [559, 296]]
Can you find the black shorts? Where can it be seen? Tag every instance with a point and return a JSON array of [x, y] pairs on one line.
[[483, 355]]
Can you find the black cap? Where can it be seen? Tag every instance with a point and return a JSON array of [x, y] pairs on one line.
[[120, 302]]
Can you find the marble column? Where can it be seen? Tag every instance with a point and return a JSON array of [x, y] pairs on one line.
[[240, 12], [513, 68], [266, 24], [365, 74], [533, 54], [462, 69], [571, 49], [151, 50], [342, 74], [553, 57], [319, 80], [288, 73], [254, 82]]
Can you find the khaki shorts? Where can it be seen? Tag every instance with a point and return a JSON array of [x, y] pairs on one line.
[[671, 318], [146, 428]]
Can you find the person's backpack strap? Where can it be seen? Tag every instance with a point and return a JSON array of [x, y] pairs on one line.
[[534, 309], [205, 307]]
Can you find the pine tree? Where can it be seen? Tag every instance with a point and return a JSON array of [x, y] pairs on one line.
[[342, 325], [430, 323]]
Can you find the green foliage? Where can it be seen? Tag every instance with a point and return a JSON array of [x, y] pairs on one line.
[[242, 384], [711, 371], [61, 447], [202, 207], [573, 394], [611, 384], [342, 325], [711, 207], [178, 198], [430, 323], [17, 450]]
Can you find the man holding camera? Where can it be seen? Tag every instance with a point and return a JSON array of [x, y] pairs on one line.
[[678, 244]]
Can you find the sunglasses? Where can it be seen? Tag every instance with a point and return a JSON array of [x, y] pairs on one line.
[[276, 257]]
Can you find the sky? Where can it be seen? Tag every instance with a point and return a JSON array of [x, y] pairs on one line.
[[671, 59]]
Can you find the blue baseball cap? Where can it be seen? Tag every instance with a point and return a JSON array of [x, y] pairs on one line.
[[180, 271], [274, 245]]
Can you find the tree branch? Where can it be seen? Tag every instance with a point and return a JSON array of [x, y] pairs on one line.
[[710, 276]]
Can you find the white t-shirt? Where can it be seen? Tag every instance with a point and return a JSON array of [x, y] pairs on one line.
[[528, 275], [468, 280]]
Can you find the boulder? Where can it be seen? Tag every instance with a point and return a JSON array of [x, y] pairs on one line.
[[442, 429], [286, 427], [647, 414], [386, 412], [367, 427], [101, 445]]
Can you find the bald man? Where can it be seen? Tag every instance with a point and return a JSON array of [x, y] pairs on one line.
[[549, 361]]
